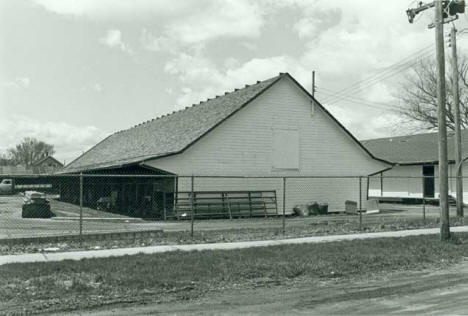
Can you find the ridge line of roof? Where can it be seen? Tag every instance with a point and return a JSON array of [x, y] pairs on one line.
[[197, 104]]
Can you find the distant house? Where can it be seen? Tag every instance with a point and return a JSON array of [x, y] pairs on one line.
[[46, 164], [271, 128], [414, 156]]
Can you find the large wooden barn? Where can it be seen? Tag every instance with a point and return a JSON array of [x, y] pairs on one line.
[[269, 129]]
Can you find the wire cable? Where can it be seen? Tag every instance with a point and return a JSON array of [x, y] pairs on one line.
[[377, 78], [390, 69]]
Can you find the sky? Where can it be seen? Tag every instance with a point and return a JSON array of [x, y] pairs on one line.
[[74, 71]]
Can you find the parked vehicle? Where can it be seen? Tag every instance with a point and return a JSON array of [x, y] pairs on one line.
[[6, 186], [35, 205], [9, 186]]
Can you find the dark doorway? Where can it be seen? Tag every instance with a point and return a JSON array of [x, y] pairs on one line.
[[428, 182]]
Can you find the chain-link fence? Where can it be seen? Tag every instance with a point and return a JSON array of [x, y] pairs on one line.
[[200, 207]]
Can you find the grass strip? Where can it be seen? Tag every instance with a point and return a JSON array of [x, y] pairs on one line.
[[68, 285]]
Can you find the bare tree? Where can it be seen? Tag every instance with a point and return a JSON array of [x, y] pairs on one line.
[[4, 160], [30, 150], [417, 95]]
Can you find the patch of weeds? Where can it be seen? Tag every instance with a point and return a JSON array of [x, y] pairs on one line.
[[294, 269], [454, 239]]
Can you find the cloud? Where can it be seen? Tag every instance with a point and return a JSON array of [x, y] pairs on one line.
[[209, 21], [317, 22], [113, 38], [93, 87], [68, 140], [157, 43], [179, 23], [343, 41], [18, 83], [115, 9], [202, 79], [228, 18], [96, 87]]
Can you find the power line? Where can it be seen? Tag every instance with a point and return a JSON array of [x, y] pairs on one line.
[[352, 90], [331, 93], [391, 71], [380, 76], [372, 104], [386, 73]]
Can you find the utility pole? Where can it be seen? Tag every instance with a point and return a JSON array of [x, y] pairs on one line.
[[442, 122], [313, 83], [445, 11], [456, 108]]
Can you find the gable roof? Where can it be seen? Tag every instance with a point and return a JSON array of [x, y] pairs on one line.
[[41, 160], [173, 133], [414, 149], [168, 134]]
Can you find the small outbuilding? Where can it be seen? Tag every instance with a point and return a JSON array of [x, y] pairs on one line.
[[415, 157]]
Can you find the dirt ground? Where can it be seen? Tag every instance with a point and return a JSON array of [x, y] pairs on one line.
[[428, 292]]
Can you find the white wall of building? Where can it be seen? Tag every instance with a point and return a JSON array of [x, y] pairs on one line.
[[246, 145], [412, 187]]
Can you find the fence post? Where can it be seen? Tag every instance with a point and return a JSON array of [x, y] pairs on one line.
[[284, 205], [360, 203], [192, 203], [424, 210], [81, 208]]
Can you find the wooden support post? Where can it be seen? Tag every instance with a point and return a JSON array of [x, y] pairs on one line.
[[164, 204], [276, 203], [229, 205], [381, 184], [284, 205], [192, 202], [81, 209], [367, 188], [250, 204], [424, 210], [360, 204]]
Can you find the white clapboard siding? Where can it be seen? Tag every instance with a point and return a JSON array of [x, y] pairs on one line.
[[413, 187], [243, 145], [398, 186]]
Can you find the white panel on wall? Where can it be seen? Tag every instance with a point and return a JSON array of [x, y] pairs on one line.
[[285, 149]]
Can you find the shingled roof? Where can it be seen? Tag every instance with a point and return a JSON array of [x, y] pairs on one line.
[[168, 134], [39, 161], [413, 149], [173, 133]]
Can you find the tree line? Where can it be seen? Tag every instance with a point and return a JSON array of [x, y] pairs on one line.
[[26, 152]]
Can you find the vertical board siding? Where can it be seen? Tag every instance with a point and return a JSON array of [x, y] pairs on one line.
[[242, 145]]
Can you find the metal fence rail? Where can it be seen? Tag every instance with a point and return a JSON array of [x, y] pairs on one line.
[[84, 204]]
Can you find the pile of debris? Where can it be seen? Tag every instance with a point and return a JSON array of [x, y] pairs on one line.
[[311, 209]]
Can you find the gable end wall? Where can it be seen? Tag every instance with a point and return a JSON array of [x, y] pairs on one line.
[[242, 145]]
